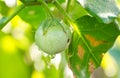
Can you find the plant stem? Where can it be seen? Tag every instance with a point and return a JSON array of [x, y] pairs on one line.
[[62, 65], [70, 5], [17, 10], [47, 8], [67, 17], [70, 21]]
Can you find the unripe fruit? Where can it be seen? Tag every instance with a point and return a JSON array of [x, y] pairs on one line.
[[53, 36]]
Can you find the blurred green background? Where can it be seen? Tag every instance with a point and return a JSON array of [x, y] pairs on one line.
[[19, 56]]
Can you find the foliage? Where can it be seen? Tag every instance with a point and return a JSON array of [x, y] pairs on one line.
[[95, 31]]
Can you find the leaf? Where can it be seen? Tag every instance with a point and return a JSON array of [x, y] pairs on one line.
[[76, 11], [103, 10], [61, 1], [30, 2], [85, 52], [33, 15], [4, 9]]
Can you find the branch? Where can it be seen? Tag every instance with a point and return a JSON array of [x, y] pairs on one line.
[[4, 20]]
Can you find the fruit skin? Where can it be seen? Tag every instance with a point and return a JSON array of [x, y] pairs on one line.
[[53, 36]]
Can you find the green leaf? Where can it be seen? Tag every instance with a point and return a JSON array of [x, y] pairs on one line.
[[85, 52], [4, 9], [33, 15], [61, 1], [103, 10], [30, 2], [75, 10]]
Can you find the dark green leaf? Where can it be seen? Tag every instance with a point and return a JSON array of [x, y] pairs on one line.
[[86, 51]]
